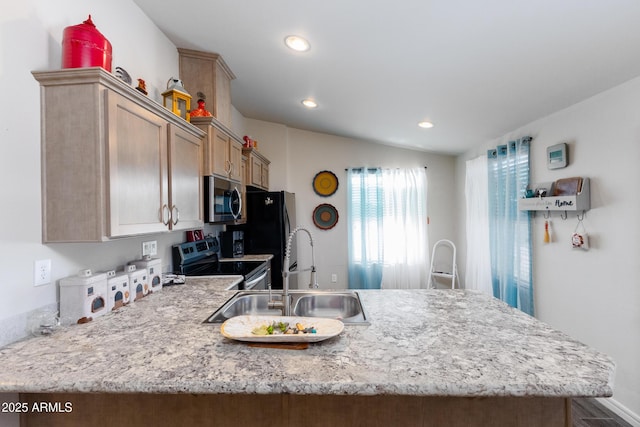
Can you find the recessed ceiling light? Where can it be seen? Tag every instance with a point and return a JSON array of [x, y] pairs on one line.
[[425, 125], [309, 103], [297, 43]]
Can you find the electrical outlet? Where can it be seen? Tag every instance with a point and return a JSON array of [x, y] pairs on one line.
[[334, 278], [150, 248], [42, 272]]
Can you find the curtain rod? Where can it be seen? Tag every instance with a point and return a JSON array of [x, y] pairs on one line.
[[362, 167]]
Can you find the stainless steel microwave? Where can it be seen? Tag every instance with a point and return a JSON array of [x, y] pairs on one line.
[[223, 200]]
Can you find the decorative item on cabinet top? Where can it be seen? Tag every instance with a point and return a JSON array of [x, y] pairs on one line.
[[201, 110], [122, 74], [142, 86], [249, 142], [177, 99], [325, 216], [84, 46], [325, 183]]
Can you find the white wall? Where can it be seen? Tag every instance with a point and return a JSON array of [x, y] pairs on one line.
[[593, 296], [297, 155]]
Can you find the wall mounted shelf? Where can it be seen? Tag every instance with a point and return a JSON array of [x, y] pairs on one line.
[[571, 203]]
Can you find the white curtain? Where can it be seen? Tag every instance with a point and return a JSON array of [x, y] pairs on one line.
[[406, 242], [478, 266], [387, 217]]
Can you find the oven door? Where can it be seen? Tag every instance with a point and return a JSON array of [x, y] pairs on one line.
[[223, 200]]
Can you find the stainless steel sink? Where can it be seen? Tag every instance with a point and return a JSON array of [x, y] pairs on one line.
[[343, 305], [245, 303]]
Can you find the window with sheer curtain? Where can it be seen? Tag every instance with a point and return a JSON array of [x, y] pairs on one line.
[[509, 227], [499, 260], [387, 225]]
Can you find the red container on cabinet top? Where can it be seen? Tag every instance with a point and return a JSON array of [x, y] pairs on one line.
[[84, 46]]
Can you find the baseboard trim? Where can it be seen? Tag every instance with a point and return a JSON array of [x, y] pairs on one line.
[[622, 411]]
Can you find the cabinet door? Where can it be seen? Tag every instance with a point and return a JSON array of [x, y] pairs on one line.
[[256, 172], [235, 159], [185, 179], [220, 153], [265, 176], [137, 168]]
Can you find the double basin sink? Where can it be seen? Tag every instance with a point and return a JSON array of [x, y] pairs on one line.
[[343, 305]]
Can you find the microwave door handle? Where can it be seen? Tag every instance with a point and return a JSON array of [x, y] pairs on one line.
[[251, 284], [235, 214], [230, 203]]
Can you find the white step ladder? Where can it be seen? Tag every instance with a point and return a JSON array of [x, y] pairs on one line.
[[440, 268]]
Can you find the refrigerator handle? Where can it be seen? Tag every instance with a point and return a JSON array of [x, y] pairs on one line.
[[286, 215]]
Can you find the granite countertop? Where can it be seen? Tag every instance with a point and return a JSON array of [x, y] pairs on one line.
[[250, 257], [419, 342]]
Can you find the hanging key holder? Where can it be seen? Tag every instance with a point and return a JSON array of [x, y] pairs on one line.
[[580, 238]]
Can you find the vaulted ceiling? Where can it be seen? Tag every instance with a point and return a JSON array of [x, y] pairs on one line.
[[376, 68]]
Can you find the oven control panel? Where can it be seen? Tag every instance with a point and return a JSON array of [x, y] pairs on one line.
[[190, 252]]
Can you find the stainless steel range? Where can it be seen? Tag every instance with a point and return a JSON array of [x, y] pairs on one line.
[[200, 259]]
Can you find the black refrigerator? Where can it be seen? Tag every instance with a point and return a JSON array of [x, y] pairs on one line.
[[271, 216]]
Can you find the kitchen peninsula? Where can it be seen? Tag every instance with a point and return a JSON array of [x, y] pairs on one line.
[[449, 357]]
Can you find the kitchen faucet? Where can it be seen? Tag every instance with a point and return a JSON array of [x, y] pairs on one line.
[[285, 304]]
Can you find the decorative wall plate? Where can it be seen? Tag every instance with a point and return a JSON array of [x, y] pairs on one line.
[[325, 183], [325, 216]]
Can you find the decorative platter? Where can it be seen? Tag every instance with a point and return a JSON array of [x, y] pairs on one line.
[[325, 216], [240, 328], [325, 183]]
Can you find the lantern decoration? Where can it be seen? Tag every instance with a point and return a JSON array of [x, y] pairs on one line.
[[177, 99]]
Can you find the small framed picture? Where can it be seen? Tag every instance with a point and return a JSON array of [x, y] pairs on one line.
[[557, 156]]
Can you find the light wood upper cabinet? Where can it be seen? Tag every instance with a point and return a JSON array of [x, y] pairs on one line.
[[185, 179], [257, 174], [137, 174], [114, 163], [208, 73], [235, 157], [222, 151]]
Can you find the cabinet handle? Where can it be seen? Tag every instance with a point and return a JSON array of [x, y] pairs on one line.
[[229, 167], [175, 217], [165, 214]]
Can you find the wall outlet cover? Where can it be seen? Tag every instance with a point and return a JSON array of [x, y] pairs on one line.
[[42, 272], [150, 248]]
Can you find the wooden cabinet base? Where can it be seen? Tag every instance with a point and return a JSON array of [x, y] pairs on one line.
[[89, 409]]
